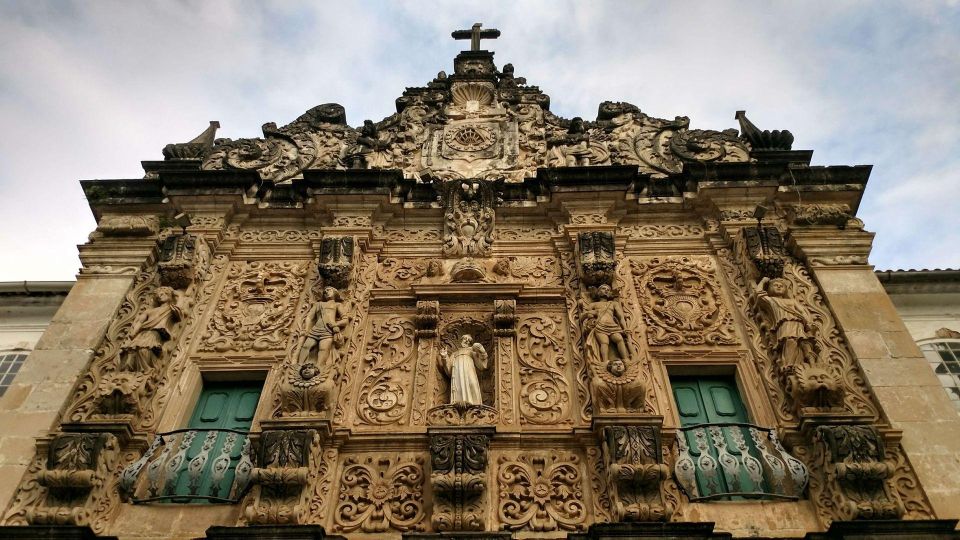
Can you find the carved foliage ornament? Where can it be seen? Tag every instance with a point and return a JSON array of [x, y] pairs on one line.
[[681, 302], [283, 461], [256, 307], [458, 478], [544, 391], [635, 471], [384, 396], [381, 493], [541, 492], [857, 476]]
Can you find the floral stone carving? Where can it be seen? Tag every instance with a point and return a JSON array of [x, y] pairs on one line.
[[468, 218], [810, 381], [635, 471], [458, 478], [256, 307], [378, 494], [541, 492], [681, 302], [856, 476]]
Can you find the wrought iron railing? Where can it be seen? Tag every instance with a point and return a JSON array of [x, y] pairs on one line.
[[731, 461], [190, 466]]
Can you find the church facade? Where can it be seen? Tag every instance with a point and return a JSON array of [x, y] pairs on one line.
[[476, 319]]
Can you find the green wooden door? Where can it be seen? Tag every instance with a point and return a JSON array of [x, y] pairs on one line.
[[208, 470], [717, 450]]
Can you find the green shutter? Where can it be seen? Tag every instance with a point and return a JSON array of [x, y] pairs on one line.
[[713, 400], [222, 405]]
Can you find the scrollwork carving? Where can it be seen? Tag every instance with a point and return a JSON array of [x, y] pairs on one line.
[[681, 302], [378, 494], [544, 393], [635, 472], [384, 395], [468, 218], [541, 492], [256, 307], [458, 478]]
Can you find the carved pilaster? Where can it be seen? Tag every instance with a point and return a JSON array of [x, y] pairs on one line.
[[854, 475], [282, 472], [73, 485], [458, 478], [634, 466]]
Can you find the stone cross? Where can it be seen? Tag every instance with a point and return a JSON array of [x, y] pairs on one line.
[[475, 34]]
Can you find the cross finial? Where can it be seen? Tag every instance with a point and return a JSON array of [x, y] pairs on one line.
[[475, 34]]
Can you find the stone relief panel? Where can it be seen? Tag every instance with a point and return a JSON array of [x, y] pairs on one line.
[[364, 279], [256, 307], [384, 391], [541, 355], [541, 491], [644, 232], [681, 301], [572, 294], [379, 493]]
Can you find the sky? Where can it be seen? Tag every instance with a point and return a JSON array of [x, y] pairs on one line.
[[89, 89]]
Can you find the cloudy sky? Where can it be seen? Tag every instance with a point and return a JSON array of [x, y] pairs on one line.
[[89, 89]]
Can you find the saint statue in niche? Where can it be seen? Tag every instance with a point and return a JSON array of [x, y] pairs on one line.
[[461, 366], [328, 319], [150, 331]]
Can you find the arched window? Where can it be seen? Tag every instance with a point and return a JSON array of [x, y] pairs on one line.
[[943, 355]]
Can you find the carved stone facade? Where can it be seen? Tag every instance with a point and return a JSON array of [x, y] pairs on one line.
[[476, 317]]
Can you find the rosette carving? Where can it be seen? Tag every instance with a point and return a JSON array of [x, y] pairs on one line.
[[378, 494], [541, 492]]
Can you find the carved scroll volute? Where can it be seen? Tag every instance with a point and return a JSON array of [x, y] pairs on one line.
[[635, 472], [76, 482], [284, 468], [597, 257], [459, 478], [336, 261], [855, 477]]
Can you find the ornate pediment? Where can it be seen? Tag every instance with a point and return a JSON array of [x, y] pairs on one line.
[[479, 122]]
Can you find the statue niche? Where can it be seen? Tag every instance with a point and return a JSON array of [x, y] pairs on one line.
[[615, 382], [309, 384], [466, 390], [808, 379]]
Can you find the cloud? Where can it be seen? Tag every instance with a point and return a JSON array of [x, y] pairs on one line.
[[89, 89]]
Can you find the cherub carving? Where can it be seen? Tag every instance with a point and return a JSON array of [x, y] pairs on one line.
[[615, 382], [461, 366]]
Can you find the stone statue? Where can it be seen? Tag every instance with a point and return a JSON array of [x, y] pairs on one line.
[[808, 380], [604, 325], [363, 155], [789, 322], [150, 331], [461, 366], [328, 319], [574, 146]]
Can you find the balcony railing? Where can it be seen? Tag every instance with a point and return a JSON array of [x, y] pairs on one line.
[[191, 466], [732, 461]]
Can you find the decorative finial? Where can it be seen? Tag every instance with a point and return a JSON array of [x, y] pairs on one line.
[[475, 34], [195, 148], [763, 140]]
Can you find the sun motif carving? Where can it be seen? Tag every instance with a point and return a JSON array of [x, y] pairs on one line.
[[471, 138]]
